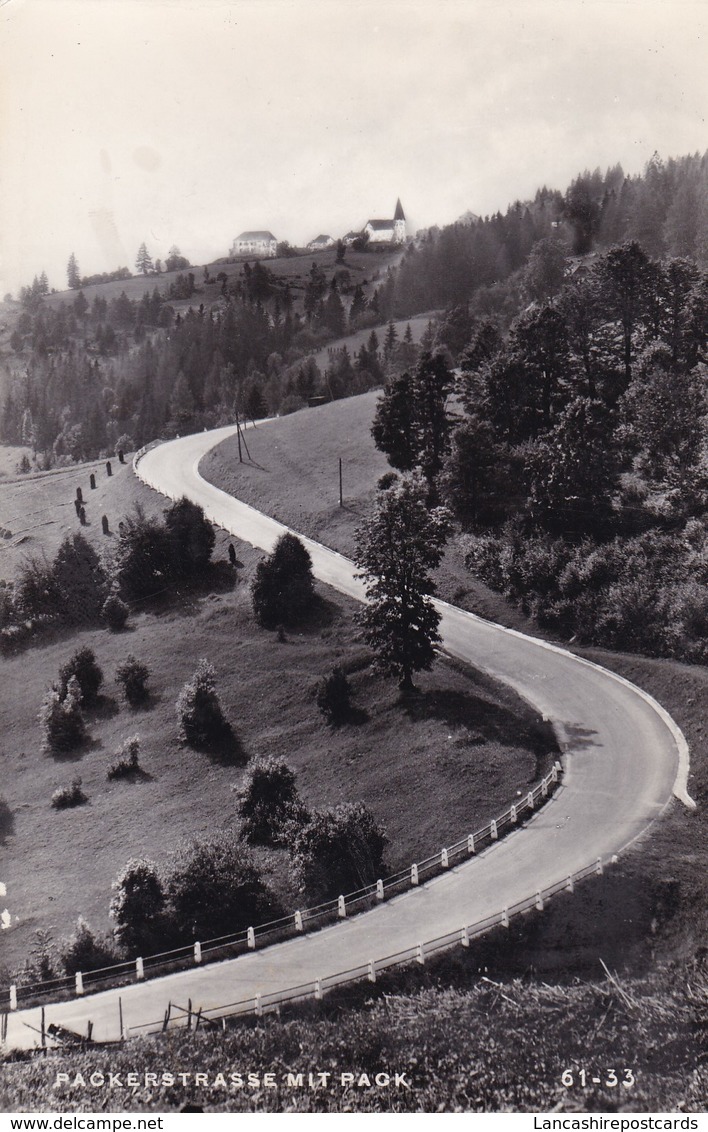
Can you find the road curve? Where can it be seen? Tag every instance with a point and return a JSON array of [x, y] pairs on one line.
[[623, 758]]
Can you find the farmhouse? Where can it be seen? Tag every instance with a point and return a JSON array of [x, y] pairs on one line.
[[256, 244], [320, 243], [388, 231]]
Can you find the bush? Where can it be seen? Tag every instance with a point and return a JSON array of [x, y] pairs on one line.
[[37, 594], [133, 677], [83, 666], [61, 720], [198, 708], [85, 951], [214, 889], [338, 851], [137, 907], [269, 802], [115, 613], [81, 580], [68, 796], [144, 564], [333, 696], [283, 589], [128, 759], [192, 536]]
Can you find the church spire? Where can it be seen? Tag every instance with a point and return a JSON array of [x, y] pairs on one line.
[[399, 213]]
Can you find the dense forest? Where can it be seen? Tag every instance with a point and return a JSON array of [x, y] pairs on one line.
[[575, 453]]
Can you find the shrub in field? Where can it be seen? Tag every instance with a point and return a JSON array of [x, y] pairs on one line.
[[84, 950], [338, 851], [81, 580], [137, 906], [191, 534], [132, 677], [283, 588], [214, 889], [115, 613], [198, 708], [128, 760], [84, 668], [61, 720], [37, 594], [143, 561], [68, 796], [334, 696], [268, 802]]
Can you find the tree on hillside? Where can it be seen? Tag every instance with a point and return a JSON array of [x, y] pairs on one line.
[[283, 588], [136, 907], [81, 579], [72, 273], [396, 550], [412, 425], [338, 851], [268, 801], [192, 536], [175, 260], [143, 261]]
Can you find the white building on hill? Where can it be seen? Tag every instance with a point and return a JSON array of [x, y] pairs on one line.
[[388, 231], [259, 245], [320, 243]]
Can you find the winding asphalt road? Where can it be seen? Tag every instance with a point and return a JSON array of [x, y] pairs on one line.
[[623, 758]]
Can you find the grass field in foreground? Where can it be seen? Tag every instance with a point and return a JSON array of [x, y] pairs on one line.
[[472, 747]]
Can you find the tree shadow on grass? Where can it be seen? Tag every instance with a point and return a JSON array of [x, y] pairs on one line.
[[77, 752], [7, 821], [103, 707], [351, 716], [322, 614], [224, 748], [484, 721]]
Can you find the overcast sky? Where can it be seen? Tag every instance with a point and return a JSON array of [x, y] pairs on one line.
[[186, 121]]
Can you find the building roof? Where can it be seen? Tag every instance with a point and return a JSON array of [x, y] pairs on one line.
[[321, 239], [255, 236], [378, 225], [399, 213]]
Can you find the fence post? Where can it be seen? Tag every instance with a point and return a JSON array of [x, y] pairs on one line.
[[539, 901], [554, 772], [464, 937], [379, 890], [139, 968], [251, 939], [470, 843], [420, 957], [13, 997], [298, 922], [569, 884], [197, 952], [444, 859], [493, 830], [544, 787], [341, 908], [318, 989], [259, 1006], [505, 918], [530, 800], [79, 981], [372, 970], [559, 767], [598, 867], [414, 874], [512, 813]]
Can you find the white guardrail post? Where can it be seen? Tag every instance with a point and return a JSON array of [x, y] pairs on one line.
[[444, 859], [464, 937], [505, 918], [379, 890], [341, 908], [470, 843], [414, 874], [79, 983], [493, 830], [13, 997], [139, 968], [298, 922], [372, 971], [251, 939]]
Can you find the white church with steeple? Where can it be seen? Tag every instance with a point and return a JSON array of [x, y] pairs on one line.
[[388, 231]]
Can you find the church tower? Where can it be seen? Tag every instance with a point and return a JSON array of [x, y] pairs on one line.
[[399, 224]]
